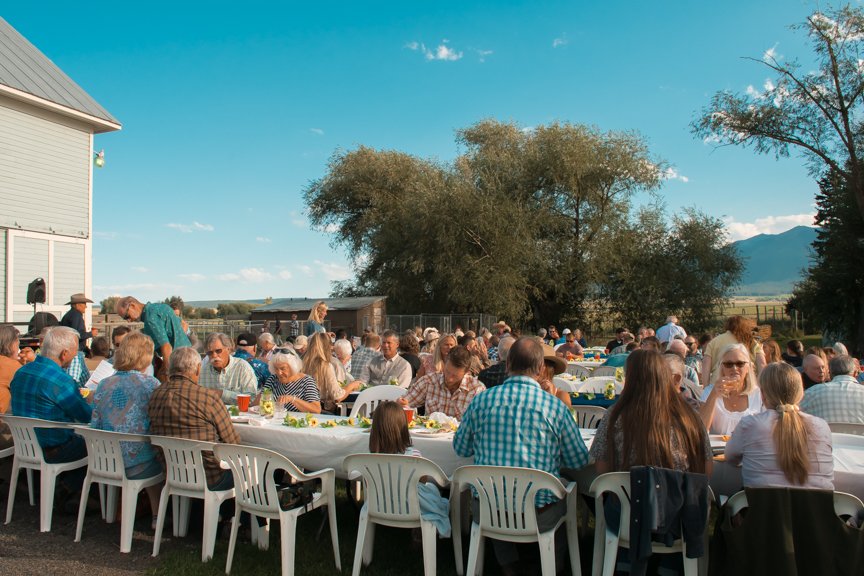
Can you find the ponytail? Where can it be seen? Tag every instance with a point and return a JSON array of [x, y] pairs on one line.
[[782, 388]]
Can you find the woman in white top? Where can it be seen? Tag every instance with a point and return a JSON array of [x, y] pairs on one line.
[[783, 447], [733, 395]]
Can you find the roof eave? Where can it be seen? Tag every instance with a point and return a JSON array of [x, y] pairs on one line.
[[99, 125]]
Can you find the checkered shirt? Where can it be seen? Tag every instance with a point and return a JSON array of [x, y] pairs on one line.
[[77, 369], [840, 400], [519, 424], [41, 389], [361, 358], [238, 377], [430, 391], [183, 409]]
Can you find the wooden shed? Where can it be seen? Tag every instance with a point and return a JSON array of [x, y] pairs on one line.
[[352, 314]]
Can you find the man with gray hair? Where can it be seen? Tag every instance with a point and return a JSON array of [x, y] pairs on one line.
[[41, 389], [497, 373], [671, 330], [266, 345], [224, 372], [839, 400], [182, 408], [388, 367], [160, 323], [342, 351]]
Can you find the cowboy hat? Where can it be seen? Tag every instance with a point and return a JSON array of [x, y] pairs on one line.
[[559, 363], [78, 298]]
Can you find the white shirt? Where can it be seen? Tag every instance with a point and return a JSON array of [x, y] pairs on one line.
[[725, 421], [668, 332], [380, 371]]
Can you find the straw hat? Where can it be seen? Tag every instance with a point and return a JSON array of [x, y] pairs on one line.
[[549, 356]]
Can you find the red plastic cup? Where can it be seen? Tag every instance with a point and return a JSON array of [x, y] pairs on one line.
[[243, 402], [409, 413], [596, 356]]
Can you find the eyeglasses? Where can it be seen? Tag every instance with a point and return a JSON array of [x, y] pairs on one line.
[[216, 352], [738, 365], [690, 343]]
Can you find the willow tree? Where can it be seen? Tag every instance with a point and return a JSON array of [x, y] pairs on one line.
[[816, 111]]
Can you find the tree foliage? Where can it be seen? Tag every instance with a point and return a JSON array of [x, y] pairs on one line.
[[523, 223]]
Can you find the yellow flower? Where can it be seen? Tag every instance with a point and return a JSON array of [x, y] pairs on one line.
[[351, 422], [365, 422], [430, 424], [412, 424], [85, 392], [313, 422], [328, 424]]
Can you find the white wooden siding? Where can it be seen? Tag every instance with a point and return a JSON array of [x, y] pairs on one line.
[[30, 261], [68, 271], [2, 274], [44, 175]]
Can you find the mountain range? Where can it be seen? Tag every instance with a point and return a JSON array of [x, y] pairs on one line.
[[773, 263]]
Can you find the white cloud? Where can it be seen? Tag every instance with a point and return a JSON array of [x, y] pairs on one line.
[[482, 54], [333, 270], [767, 225], [193, 227], [317, 131], [193, 277], [262, 239], [307, 270], [141, 269], [771, 55], [230, 277], [285, 275], [441, 52], [563, 41], [672, 174]]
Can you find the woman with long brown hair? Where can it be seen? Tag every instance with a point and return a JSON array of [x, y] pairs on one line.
[[782, 447], [651, 424], [317, 363], [739, 330]]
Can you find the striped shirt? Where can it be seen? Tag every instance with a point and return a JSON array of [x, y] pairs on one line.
[[303, 388], [519, 424]]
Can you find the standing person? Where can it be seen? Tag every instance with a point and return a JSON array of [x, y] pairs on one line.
[[315, 323], [738, 330], [182, 408], [671, 330], [293, 327], [518, 424], [41, 389], [782, 447], [74, 319], [161, 324], [794, 354]]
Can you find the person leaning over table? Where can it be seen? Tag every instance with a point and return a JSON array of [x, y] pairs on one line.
[[318, 363], [224, 372], [296, 391], [160, 324], [183, 409], [733, 394], [387, 367], [450, 391], [518, 424], [782, 447]]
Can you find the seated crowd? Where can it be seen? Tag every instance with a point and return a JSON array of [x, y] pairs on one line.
[[499, 384]]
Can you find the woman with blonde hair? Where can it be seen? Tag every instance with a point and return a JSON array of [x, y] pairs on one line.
[[434, 363], [733, 393], [315, 323], [317, 364], [772, 352], [782, 447], [739, 330]]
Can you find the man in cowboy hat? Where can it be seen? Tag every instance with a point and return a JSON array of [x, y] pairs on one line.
[[74, 318]]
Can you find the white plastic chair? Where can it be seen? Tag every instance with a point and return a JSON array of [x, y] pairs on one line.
[[28, 455], [507, 512], [606, 542], [105, 467], [185, 478], [256, 493], [846, 428], [577, 370], [844, 504], [369, 399], [841, 440], [390, 484], [603, 371], [589, 417]]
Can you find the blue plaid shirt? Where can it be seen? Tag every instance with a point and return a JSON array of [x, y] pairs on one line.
[[77, 369], [518, 424], [41, 389], [262, 371]]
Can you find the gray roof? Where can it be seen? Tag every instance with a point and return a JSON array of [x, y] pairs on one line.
[[305, 304], [25, 68]]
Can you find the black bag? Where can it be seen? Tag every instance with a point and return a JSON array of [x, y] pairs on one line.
[[297, 495]]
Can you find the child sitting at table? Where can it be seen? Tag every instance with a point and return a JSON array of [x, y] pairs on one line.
[[389, 435]]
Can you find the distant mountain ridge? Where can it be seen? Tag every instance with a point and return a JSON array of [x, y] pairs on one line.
[[773, 263]]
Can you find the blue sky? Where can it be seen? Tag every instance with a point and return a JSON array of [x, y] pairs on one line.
[[229, 109]]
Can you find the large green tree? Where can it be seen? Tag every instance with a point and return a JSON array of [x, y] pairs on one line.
[[523, 223], [816, 110]]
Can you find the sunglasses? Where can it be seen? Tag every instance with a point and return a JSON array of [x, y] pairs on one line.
[[738, 365], [216, 352], [689, 343]]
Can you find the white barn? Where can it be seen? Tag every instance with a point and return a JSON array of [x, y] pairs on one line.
[[47, 123]]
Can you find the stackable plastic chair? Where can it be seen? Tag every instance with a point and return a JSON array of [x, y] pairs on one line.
[[603, 371], [507, 512], [256, 493], [105, 467], [845, 505], [577, 370], [589, 417], [185, 478], [28, 455], [369, 399], [606, 542], [390, 482], [846, 428]]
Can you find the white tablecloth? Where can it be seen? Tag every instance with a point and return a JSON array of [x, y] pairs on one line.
[[595, 385], [317, 448]]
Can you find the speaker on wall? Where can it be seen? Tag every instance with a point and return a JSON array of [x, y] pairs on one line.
[[36, 291]]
